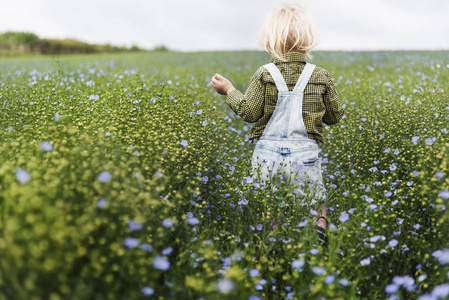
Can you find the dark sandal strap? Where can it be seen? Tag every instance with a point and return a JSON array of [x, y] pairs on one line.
[[321, 217]]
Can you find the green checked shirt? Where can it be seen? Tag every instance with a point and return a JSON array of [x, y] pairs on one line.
[[320, 104]]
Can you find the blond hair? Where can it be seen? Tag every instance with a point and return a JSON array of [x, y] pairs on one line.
[[288, 28]]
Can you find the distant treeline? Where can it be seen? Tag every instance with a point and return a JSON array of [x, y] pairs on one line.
[[30, 43]]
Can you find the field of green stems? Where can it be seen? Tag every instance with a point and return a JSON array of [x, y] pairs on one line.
[[124, 176]]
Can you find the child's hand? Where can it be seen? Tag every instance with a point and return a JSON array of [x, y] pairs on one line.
[[222, 85]]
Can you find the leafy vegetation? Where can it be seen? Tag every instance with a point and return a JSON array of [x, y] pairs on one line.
[[30, 43], [123, 176]]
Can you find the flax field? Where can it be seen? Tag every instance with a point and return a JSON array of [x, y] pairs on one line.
[[124, 176]]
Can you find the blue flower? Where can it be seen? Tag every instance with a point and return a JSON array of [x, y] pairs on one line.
[[442, 256], [444, 195], [441, 291], [193, 221], [439, 175], [132, 225], [415, 140], [393, 243], [298, 264], [314, 251], [199, 112], [161, 263], [184, 143], [343, 282], [167, 251], [430, 141], [22, 175], [146, 247], [391, 289], [365, 262], [104, 176], [167, 223], [131, 243], [259, 226], [147, 291], [318, 270], [254, 272], [329, 279], [102, 203], [344, 217], [225, 285]]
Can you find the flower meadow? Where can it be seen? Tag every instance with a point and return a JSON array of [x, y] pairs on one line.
[[124, 176]]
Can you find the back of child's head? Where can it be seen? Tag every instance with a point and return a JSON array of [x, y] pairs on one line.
[[288, 28]]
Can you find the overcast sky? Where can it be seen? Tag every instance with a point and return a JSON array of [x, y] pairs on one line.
[[192, 25]]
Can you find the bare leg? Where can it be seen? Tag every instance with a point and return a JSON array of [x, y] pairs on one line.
[[321, 210]]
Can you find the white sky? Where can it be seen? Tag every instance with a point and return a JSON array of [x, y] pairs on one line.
[[192, 25]]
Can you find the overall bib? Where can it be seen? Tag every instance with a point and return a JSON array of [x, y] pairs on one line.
[[284, 148]]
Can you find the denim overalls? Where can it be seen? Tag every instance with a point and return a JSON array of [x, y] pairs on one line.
[[284, 146]]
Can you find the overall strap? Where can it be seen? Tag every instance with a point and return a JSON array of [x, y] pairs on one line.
[[304, 78], [277, 76]]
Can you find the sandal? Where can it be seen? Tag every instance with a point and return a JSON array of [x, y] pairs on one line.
[[322, 236]]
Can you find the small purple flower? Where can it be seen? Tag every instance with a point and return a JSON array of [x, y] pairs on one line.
[[167, 251], [167, 223], [318, 270], [393, 243], [102, 203], [439, 175], [225, 285], [329, 279], [298, 264], [105, 176], [57, 117], [388, 194], [442, 256], [131, 243], [22, 175], [205, 123], [343, 282], [344, 217], [415, 140], [184, 143], [365, 262], [199, 112], [254, 272], [146, 247], [147, 291], [444, 195], [193, 221], [132, 225], [161, 263], [430, 141], [314, 251], [46, 146], [391, 289], [259, 226]]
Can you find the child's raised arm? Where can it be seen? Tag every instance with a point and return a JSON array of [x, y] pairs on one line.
[[222, 85], [250, 107]]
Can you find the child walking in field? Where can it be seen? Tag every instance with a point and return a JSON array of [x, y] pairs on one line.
[[290, 100]]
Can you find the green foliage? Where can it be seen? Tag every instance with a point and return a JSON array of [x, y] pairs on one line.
[[24, 43], [123, 176]]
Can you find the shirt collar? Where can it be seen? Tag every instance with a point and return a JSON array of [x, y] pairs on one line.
[[289, 57]]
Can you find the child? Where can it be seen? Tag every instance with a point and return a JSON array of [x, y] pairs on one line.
[[290, 101]]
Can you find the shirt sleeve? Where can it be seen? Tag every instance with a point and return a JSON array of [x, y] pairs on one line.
[[249, 106], [334, 109]]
